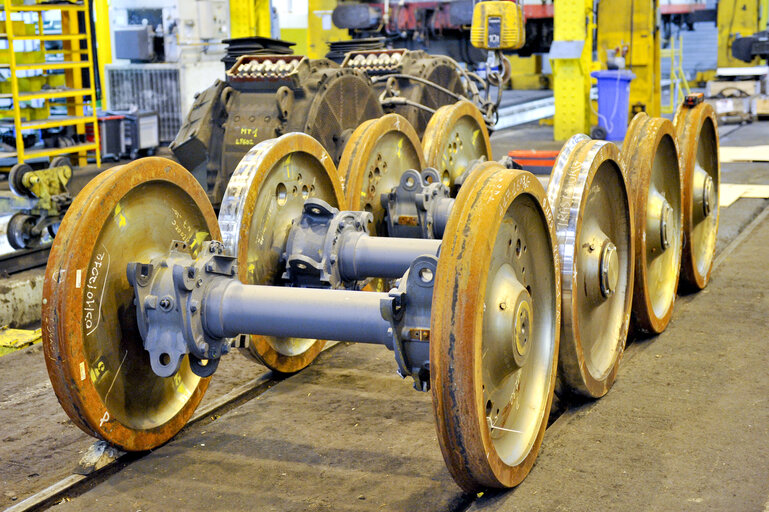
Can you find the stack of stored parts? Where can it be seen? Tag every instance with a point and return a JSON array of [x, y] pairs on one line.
[[337, 50], [254, 46], [739, 95]]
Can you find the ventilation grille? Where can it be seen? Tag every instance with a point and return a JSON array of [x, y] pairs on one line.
[[154, 89]]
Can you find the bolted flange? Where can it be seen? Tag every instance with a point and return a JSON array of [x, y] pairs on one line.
[[169, 291]]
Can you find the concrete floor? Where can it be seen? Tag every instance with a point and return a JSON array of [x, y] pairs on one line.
[[685, 427]]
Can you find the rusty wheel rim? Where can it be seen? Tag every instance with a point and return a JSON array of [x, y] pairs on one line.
[[374, 159], [594, 227], [497, 347], [94, 352], [266, 193], [650, 157], [696, 129], [455, 138]]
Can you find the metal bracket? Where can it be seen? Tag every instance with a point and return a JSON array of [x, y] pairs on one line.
[[169, 293], [418, 207], [409, 313], [312, 248]]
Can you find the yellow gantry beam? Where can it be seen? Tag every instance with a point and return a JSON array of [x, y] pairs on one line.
[[571, 61]]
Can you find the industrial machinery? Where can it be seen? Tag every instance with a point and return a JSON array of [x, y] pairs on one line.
[[440, 27], [27, 227], [264, 97], [413, 83], [183, 298], [697, 135], [650, 157], [748, 48], [268, 95], [593, 211], [141, 295]]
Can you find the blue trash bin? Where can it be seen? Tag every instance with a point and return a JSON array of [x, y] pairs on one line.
[[613, 101]]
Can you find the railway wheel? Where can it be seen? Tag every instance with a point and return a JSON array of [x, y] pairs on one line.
[[374, 159], [455, 138], [494, 328], [696, 129], [15, 180], [650, 157], [594, 227], [20, 232], [265, 194], [94, 352]]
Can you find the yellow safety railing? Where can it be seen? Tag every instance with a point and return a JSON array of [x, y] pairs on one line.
[[679, 86]]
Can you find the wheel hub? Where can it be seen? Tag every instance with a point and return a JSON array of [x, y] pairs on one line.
[[522, 327], [602, 269], [705, 191], [666, 225], [660, 224]]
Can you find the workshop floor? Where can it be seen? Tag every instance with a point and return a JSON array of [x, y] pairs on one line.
[[686, 427]]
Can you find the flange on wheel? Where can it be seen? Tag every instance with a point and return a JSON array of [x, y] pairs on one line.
[[455, 138], [374, 159], [594, 227], [93, 350], [650, 158], [698, 145], [494, 328], [265, 194]]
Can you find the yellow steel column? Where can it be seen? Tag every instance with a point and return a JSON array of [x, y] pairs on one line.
[[634, 24], [571, 67], [242, 18], [320, 30], [737, 18], [103, 42]]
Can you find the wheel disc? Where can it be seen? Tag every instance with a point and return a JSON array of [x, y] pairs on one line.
[[19, 232], [696, 129], [594, 226], [455, 137], [374, 159], [15, 180], [493, 353], [266, 193], [94, 352], [650, 157]]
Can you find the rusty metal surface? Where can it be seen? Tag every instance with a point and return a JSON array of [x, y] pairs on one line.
[[321, 99], [455, 137], [129, 212], [491, 204], [376, 156], [650, 159], [697, 133], [265, 195], [594, 220], [437, 69]]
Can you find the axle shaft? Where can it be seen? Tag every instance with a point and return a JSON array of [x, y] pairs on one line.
[[232, 308]]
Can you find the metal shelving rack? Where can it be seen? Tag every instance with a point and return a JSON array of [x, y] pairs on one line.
[[75, 92]]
